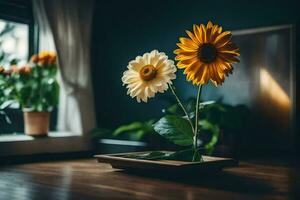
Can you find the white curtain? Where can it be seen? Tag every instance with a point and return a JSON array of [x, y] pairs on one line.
[[68, 24]]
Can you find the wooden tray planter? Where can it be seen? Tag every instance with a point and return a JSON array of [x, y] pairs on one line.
[[125, 161]]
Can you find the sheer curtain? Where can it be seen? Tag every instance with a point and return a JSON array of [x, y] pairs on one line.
[[68, 24]]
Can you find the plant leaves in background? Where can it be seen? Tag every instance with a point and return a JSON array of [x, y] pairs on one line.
[[214, 131], [7, 119], [128, 127], [176, 129], [6, 104], [136, 130], [214, 117]]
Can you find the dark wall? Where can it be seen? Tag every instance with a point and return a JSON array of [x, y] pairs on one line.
[[125, 29]]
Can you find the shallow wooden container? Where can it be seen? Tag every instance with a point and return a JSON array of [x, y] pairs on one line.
[[120, 161]]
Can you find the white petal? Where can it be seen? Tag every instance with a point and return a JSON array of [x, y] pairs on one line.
[[136, 87], [143, 90], [146, 58], [140, 60], [161, 62], [134, 65]]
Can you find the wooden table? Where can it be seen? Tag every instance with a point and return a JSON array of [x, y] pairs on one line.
[[87, 179]]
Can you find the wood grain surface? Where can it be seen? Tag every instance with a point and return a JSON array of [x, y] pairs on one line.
[[87, 179]]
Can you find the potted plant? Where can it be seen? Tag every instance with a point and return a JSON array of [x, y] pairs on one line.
[[35, 88]]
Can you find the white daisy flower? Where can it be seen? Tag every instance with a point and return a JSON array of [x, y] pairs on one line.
[[149, 74]]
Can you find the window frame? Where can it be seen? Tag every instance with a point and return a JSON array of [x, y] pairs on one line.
[[56, 142]]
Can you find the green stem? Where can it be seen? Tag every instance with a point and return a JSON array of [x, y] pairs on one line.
[[196, 117], [182, 107]]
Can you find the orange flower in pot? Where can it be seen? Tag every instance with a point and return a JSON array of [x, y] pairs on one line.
[[36, 89]]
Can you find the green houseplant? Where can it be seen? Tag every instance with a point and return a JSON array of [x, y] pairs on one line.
[[34, 87], [221, 125]]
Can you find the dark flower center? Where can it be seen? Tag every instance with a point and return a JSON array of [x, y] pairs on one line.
[[207, 53], [148, 72]]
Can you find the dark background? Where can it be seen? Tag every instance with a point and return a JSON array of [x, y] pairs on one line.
[[125, 29]]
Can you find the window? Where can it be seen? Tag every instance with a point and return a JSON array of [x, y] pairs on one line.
[[14, 44], [20, 42], [17, 42]]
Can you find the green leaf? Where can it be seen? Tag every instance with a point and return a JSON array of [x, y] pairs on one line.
[[215, 131], [176, 129], [205, 103], [7, 119], [197, 157], [173, 109], [189, 155], [2, 55], [154, 155], [128, 127], [6, 104], [135, 130]]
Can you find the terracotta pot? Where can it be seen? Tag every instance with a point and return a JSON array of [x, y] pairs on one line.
[[36, 123]]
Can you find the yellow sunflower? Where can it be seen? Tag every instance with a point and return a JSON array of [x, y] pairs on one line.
[[208, 54]]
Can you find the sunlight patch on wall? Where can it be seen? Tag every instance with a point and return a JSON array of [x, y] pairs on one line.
[[272, 90]]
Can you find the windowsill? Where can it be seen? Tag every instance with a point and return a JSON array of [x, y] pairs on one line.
[[22, 137], [55, 142]]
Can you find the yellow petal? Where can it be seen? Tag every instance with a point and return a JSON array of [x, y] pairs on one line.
[[224, 66], [220, 30], [223, 39], [190, 76], [184, 63], [188, 43], [198, 33], [183, 52], [193, 37], [199, 72], [208, 34], [202, 29], [228, 69], [219, 75], [210, 71], [178, 51], [184, 57], [220, 71], [233, 53], [192, 67], [205, 76], [214, 33], [186, 48], [209, 25], [228, 58], [229, 46]]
